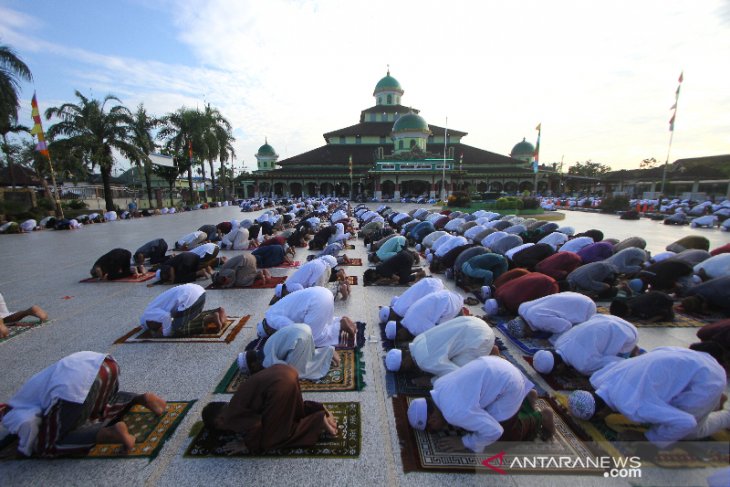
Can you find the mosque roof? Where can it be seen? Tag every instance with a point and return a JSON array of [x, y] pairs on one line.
[[387, 83], [411, 122], [523, 148]]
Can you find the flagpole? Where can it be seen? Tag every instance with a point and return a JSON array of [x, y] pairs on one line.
[[42, 148], [671, 137], [59, 209], [443, 167]]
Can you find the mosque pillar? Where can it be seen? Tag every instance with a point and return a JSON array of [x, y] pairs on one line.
[[695, 186], [256, 193]]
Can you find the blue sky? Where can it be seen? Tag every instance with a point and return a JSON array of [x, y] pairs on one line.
[[600, 77]]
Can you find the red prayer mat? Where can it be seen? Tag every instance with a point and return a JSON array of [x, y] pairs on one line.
[[355, 261], [141, 278], [286, 265]]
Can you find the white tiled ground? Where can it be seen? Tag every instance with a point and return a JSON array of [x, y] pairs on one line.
[[44, 267]]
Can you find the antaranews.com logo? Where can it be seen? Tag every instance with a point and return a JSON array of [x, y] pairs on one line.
[[618, 468]]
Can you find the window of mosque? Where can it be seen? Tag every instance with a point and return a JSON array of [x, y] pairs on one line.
[[400, 144], [358, 139], [382, 140], [342, 140], [413, 143], [390, 99], [380, 100]]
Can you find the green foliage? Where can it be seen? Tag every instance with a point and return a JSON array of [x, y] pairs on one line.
[[615, 203], [46, 204], [509, 202], [589, 169], [74, 204]]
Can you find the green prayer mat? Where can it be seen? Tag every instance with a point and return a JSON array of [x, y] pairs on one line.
[[207, 443], [151, 431], [226, 335], [424, 451], [20, 328], [347, 377]]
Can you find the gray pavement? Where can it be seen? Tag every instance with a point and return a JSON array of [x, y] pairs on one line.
[[44, 268]]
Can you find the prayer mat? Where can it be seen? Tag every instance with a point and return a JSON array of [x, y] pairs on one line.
[[352, 280], [347, 377], [353, 262], [708, 453], [530, 345], [421, 451], [273, 281], [140, 278], [569, 380], [286, 265], [207, 443], [681, 320], [21, 327], [151, 431], [349, 247], [226, 335], [406, 383], [397, 284]]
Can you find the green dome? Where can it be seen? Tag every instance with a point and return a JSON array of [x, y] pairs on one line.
[[523, 149], [411, 122], [388, 83], [266, 150]]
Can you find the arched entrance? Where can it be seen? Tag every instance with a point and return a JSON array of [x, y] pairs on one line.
[[387, 188], [414, 188], [311, 189], [250, 191], [510, 187], [279, 189], [264, 189], [482, 187], [542, 186], [295, 189], [525, 186], [343, 189], [495, 187], [327, 189]]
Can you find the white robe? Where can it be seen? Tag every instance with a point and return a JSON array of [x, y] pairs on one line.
[[241, 240], [452, 345], [597, 342], [449, 245], [316, 272], [431, 238], [414, 293], [192, 239], [314, 306], [294, 345], [674, 389], [201, 250], [555, 239], [431, 310], [480, 395], [576, 244], [69, 379], [473, 232], [511, 252], [453, 225], [338, 215], [442, 240], [492, 238], [715, 266], [557, 313], [178, 298]]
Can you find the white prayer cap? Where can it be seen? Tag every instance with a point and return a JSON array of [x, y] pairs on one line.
[[582, 405], [234, 224], [278, 289], [696, 279], [157, 274], [384, 313], [419, 247], [429, 257], [260, 329], [393, 300], [393, 360], [329, 260], [418, 414], [390, 330], [491, 307], [242, 363], [486, 292], [544, 361], [368, 246]]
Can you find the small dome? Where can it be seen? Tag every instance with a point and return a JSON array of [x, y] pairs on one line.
[[411, 122], [266, 150], [523, 149], [388, 83]]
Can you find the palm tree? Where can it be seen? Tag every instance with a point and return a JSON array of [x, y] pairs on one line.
[[180, 130], [217, 139], [12, 70], [95, 130], [141, 137]]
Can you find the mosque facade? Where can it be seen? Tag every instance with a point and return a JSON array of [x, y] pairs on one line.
[[392, 152]]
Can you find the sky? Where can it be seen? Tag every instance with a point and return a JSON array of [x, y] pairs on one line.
[[600, 77]]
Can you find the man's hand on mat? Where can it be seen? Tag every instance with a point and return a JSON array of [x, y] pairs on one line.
[[330, 424], [450, 444], [235, 447]]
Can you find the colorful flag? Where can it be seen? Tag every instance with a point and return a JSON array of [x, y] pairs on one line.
[[536, 162], [676, 100], [37, 129]]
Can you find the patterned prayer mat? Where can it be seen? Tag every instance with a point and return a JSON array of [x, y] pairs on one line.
[[347, 377], [352, 280], [151, 431], [140, 278], [681, 320], [226, 335], [286, 265], [207, 443], [569, 380], [709, 453], [530, 345], [423, 451], [21, 327], [396, 284], [354, 262], [273, 281]]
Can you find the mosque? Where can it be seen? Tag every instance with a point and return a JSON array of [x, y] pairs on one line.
[[392, 153]]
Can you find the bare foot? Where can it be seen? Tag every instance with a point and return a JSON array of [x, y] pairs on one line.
[[38, 312], [336, 359], [153, 402], [3, 330], [222, 315], [532, 398], [548, 424], [344, 290], [495, 351], [117, 433]]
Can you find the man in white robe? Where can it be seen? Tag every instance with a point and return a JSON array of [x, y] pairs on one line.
[[492, 238], [292, 345], [574, 245], [591, 345], [716, 266], [555, 239], [444, 348], [424, 314], [483, 397], [172, 312], [556, 314], [399, 305], [431, 238], [315, 307], [191, 240], [680, 392]]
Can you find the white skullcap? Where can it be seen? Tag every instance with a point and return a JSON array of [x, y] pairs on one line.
[[582, 405], [390, 330], [383, 314], [696, 279], [393, 300], [260, 329], [329, 260], [429, 257], [393, 360], [157, 274], [544, 361], [278, 289], [368, 246], [418, 414], [486, 292], [491, 307], [419, 247], [242, 364]]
